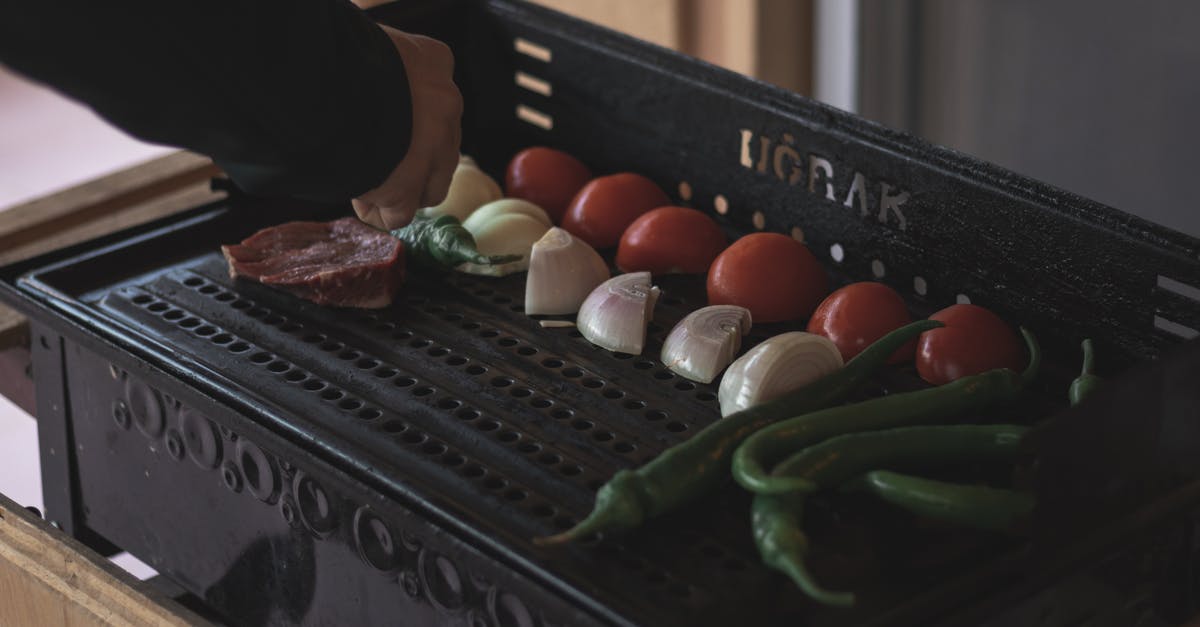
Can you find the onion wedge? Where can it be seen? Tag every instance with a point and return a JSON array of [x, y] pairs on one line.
[[781, 364], [705, 341], [614, 316]]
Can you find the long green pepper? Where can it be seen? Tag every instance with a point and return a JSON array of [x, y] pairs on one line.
[[777, 519], [1087, 382], [696, 466], [443, 242], [978, 507], [754, 457]]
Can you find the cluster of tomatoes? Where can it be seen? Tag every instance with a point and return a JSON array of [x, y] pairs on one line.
[[774, 276]]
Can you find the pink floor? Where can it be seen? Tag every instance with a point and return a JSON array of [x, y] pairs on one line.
[[48, 143]]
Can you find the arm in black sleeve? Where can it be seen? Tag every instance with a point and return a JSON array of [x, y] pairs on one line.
[[302, 98]]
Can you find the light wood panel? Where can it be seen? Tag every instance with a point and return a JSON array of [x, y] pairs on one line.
[[47, 578]]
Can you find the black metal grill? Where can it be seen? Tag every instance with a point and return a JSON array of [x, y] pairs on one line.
[[293, 463]]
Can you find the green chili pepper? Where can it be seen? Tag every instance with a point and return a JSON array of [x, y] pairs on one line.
[[1087, 382], [443, 242], [768, 446], [777, 519], [695, 466], [979, 507]]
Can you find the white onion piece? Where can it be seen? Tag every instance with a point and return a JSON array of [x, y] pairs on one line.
[[615, 314], [705, 341], [505, 206], [563, 270], [470, 189], [781, 364]]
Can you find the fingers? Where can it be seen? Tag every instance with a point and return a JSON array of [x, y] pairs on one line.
[[367, 212]]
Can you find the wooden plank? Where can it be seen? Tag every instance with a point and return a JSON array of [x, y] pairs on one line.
[[48, 578], [24, 224], [657, 21]]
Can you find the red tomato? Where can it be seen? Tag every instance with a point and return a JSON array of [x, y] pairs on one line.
[[670, 240], [546, 177], [974, 340], [772, 275], [602, 210], [856, 315]]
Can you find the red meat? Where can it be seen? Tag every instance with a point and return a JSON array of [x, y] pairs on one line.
[[343, 263]]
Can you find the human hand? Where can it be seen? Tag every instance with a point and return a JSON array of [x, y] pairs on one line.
[[423, 177]]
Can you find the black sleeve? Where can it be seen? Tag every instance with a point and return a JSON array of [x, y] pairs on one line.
[[300, 98]]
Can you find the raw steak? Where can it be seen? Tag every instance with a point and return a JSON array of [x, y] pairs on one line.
[[343, 263]]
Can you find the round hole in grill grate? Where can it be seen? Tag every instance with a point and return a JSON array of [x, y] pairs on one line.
[[221, 339], [225, 297], [452, 317], [622, 356], [332, 394], [193, 281], [550, 459], [633, 404], [644, 364], [205, 330], [394, 426], [278, 366], [521, 392], [189, 323], [527, 351], [366, 363], [624, 447], [350, 404], [423, 391], [562, 413], [332, 346], [603, 436], [529, 448], [385, 327], [209, 289], [420, 343], [473, 471], [656, 414], [385, 372], [572, 372], [438, 351], [467, 414], [314, 338], [582, 424], [295, 376], [433, 448], [508, 342], [413, 437], [403, 382], [501, 382], [449, 403], [508, 436], [257, 312], [313, 385], [369, 413], [238, 347], [241, 304], [516, 494], [495, 483], [664, 375], [274, 320], [173, 315], [456, 360], [476, 370], [349, 355], [470, 326], [593, 383], [613, 393], [676, 427], [570, 470], [552, 363], [402, 335], [706, 396], [488, 425], [489, 333], [453, 459], [541, 403], [685, 386]]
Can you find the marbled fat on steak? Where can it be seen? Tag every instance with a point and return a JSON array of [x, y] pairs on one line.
[[343, 263]]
